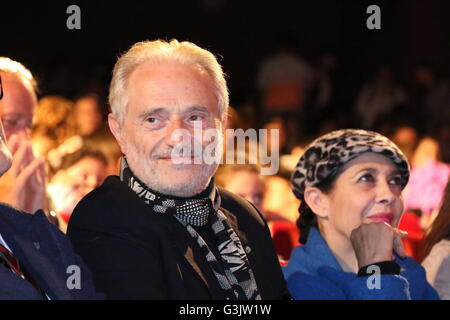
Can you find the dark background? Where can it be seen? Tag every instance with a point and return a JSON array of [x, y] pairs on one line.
[[242, 32]]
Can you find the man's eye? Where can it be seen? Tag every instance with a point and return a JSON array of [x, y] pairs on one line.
[[366, 178], [195, 118], [152, 120], [9, 122]]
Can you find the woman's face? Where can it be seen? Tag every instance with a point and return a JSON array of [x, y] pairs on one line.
[[369, 189]]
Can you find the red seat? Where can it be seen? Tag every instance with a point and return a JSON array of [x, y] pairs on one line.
[[285, 235], [410, 222]]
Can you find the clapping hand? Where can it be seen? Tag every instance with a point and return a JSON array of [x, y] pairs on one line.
[[23, 185]]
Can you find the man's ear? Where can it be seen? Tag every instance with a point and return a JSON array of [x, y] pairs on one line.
[[224, 122], [317, 201], [116, 130]]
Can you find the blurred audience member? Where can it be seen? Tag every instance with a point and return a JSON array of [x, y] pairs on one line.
[[289, 161], [23, 186], [284, 79], [279, 203], [430, 97], [277, 123], [323, 89], [88, 114], [437, 250], [379, 97], [103, 141], [235, 122], [427, 151], [244, 180], [428, 179], [322, 102], [443, 137], [79, 173], [53, 124], [247, 182], [406, 138]]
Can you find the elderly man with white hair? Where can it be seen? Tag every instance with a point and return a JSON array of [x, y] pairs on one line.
[[162, 229], [23, 186], [37, 261]]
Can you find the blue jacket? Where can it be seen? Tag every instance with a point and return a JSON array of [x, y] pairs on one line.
[[314, 273], [46, 254]]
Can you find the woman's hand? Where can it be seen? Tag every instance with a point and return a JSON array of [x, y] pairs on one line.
[[374, 242]]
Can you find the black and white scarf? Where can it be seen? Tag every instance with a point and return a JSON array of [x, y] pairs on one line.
[[234, 274]]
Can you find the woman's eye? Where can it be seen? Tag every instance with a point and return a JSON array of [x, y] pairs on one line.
[[367, 178], [396, 181]]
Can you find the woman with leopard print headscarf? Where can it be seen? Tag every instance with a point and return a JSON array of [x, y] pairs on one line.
[[350, 184]]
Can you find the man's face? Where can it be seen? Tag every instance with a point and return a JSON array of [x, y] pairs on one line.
[[5, 154], [163, 99], [16, 106]]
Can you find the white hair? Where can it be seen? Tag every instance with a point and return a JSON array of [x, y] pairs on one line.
[[21, 72], [185, 52]]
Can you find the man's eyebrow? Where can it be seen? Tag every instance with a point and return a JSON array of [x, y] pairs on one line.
[[150, 112], [197, 108], [162, 110]]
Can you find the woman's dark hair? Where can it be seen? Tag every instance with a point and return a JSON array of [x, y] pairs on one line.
[[308, 218], [440, 229]]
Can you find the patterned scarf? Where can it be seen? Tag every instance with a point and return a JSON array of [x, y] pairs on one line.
[[234, 274]]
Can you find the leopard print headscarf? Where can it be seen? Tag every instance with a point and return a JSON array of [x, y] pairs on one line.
[[328, 153]]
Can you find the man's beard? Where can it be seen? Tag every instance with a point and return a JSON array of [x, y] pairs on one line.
[[190, 186], [153, 176]]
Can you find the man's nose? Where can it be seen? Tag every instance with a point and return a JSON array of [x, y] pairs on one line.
[[24, 133], [176, 132]]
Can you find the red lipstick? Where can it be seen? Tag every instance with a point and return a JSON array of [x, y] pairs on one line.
[[383, 217]]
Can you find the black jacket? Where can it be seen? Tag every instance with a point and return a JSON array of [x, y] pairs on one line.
[[134, 253]]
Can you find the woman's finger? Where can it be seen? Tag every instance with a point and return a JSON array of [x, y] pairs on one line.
[[400, 233], [398, 247]]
